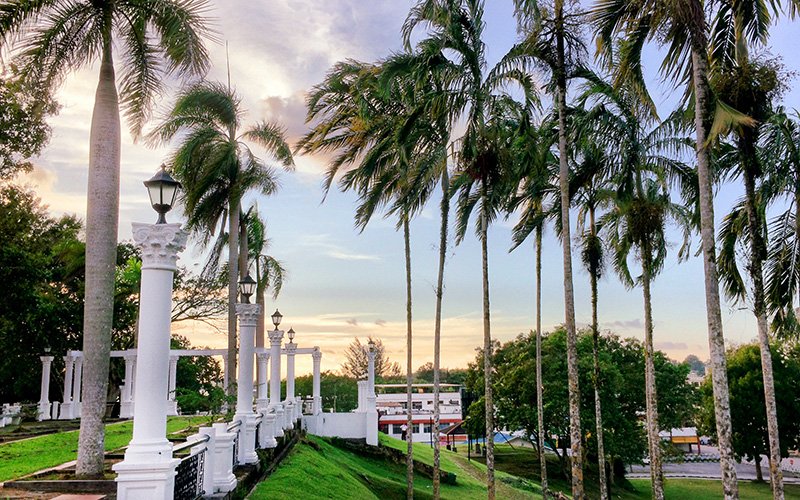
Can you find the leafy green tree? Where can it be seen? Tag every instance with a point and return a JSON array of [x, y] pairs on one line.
[[695, 364], [750, 433], [424, 374], [339, 392], [198, 381], [217, 167], [23, 127], [356, 360], [155, 40]]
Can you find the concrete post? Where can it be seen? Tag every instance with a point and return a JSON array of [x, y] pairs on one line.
[[362, 396], [76, 386], [172, 403], [148, 470], [262, 400], [316, 391], [275, 337], [248, 319], [66, 404], [209, 465], [44, 397], [224, 480], [290, 403], [126, 397], [372, 411]]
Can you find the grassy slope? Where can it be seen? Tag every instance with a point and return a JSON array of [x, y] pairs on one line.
[[523, 462], [316, 469], [19, 458]]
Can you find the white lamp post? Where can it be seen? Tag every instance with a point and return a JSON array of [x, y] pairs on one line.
[[372, 411], [317, 356], [276, 408], [291, 407], [248, 319], [148, 470]]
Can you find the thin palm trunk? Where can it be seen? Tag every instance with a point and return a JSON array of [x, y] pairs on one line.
[[651, 397], [244, 250], [487, 347], [757, 253], [569, 296], [539, 385], [409, 367], [233, 278], [102, 223], [437, 333], [260, 327], [716, 340], [598, 414]]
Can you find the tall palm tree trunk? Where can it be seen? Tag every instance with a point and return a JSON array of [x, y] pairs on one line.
[[716, 340], [102, 224], [409, 367], [487, 347], [539, 385], [598, 413], [260, 325], [569, 296], [233, 278], [651, 398], [757, 253], [437, 333]]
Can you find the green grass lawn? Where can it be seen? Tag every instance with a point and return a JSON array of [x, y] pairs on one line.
[[19, 458], [316, 469]]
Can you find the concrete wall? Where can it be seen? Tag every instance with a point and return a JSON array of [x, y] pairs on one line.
[[343, 425]]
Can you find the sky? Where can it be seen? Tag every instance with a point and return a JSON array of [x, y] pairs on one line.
[[343, 283]]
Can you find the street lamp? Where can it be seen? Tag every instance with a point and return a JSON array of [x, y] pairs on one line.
[[247, 287], [371, 345], [162, 189], [276, 318], [290, 333], [47, 350]]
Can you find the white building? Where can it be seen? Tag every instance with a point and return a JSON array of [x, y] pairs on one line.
[[392, 406]]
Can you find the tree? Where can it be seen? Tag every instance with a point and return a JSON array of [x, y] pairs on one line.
[[552, 36], [198, 381], [339, 392], [23, 127], [751, 436], [695, 364], [217, 168], [537, 167], [198, 297], [356, 360], [424, 375], [457, 27], [683, 27], [155, 40]]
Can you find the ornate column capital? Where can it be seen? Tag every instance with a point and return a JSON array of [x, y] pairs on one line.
[[160, 244], [291, 349], [275, 337], [46, 359], [262, 356], [317, 354], [248, 314]]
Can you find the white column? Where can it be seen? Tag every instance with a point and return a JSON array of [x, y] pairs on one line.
[[126, 398], [66, 405], [76, 386], [316, 391], [261, 401], [148, 470], [291, 404], [225, 385], [372, 412], [248, 319], [44, 398], [275, 337], [172, 403]]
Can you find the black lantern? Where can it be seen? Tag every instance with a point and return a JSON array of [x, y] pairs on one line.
[[247, 287], [290, 333], [276, 318], [162, 189], [371, 345]]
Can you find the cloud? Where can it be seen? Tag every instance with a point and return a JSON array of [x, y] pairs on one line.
[[334, 251], [626, 324], [671, 346], [352, 321], [380, 322]]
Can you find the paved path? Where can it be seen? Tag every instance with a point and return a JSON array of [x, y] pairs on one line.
[[708, 470]]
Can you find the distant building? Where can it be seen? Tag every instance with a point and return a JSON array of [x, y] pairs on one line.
[[683, 438], [392, 406], [695, 378]]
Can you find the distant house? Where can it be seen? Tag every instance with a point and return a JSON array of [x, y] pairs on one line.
[[683, 438], [695, 378], [392, 405]]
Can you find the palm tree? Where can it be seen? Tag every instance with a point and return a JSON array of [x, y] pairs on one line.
[[155, 39], [537, 169], [750, 87], [682, 26], [641, 209], [457, 26], [552, 36], [369, 121], [217, 168]]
